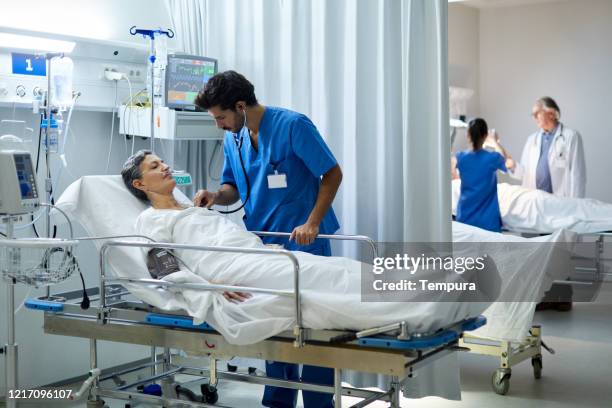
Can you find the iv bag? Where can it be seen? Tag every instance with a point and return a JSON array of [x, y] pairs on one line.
[[61, 82]]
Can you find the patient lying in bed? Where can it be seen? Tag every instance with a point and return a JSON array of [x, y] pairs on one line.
[[330, 287], [536, 211]]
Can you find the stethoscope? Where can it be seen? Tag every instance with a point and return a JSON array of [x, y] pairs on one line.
[[558, 140], [238, 140]]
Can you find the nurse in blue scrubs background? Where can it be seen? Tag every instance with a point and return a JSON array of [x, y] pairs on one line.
[[278, 164], [478, 204]]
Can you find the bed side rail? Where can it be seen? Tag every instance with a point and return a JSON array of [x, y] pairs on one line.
[[338, 237], [298, 329]]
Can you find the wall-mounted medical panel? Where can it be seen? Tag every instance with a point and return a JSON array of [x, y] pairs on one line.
[[23, 74], [169, 124]]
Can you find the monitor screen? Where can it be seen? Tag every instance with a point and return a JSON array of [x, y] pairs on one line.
[[186, 75], [25, 176]]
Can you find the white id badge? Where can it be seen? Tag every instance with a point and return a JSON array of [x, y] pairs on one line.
[[560, 162], [277, 180]]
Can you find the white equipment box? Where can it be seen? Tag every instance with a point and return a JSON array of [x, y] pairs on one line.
[[169, 124]]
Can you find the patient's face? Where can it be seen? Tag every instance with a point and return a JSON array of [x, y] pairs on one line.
[[156, 176]]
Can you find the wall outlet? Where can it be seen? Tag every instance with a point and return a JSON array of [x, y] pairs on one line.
[[110, 68], [136, 74]]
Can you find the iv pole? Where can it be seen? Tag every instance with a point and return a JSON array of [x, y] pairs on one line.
[[151, 34], [47, 127]]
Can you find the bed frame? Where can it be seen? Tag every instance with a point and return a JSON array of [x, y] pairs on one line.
[[511, 353], [390, 350]]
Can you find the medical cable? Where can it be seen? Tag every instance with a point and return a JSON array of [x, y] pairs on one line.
[[212, 159], [36, 168], [110, 144], [125, 111], [246, 176], [133, 141], [68, 255], [127, 104], [67, 127]]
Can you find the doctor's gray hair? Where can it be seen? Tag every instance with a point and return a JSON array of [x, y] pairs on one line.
[[549, 104], [131, 171]]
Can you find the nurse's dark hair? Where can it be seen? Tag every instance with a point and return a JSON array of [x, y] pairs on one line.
[[131, 171], [225, 90], [477, 132], [549, 103]]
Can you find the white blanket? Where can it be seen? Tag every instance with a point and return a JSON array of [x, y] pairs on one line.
[[330, 286], [536, 211], [528, 267]]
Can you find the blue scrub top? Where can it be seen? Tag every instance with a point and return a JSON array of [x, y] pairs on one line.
[[478, 204], [290, 144]]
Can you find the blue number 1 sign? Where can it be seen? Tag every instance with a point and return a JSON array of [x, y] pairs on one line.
[[29, 64]]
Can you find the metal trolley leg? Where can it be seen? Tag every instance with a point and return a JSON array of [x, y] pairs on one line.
[[153, 361], [395, 392], [338, 387], [94, 401], [11, 348]]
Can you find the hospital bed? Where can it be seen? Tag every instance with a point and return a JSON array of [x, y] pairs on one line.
[[115, 317], [530, 213], [512, 351], [391, 350]]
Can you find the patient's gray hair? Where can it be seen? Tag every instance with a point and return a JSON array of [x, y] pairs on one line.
[[131, 171]]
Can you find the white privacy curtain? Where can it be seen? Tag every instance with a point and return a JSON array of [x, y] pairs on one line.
[[371, 74]]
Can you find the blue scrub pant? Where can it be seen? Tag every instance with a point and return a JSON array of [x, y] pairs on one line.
[[277, 397]]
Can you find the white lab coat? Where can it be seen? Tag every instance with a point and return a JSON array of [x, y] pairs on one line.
[[565, 161]]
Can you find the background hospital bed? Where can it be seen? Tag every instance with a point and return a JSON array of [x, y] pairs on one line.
[[587, 276], [586, 280]]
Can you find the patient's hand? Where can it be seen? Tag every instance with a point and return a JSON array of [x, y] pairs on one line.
[[237, 297]]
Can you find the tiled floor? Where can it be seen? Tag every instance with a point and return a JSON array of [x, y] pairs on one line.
[[578, 375]]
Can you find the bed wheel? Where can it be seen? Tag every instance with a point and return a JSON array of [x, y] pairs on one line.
[[187, 393], [500, 381], [536, 362], [209, 393]]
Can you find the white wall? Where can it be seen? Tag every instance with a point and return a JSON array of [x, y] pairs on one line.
[[464, 62], [560, 49], [464, 52]]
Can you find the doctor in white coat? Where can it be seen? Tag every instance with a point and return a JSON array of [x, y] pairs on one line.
[[553, 157]]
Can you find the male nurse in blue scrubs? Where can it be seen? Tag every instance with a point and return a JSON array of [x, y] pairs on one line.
[[291, 180]]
